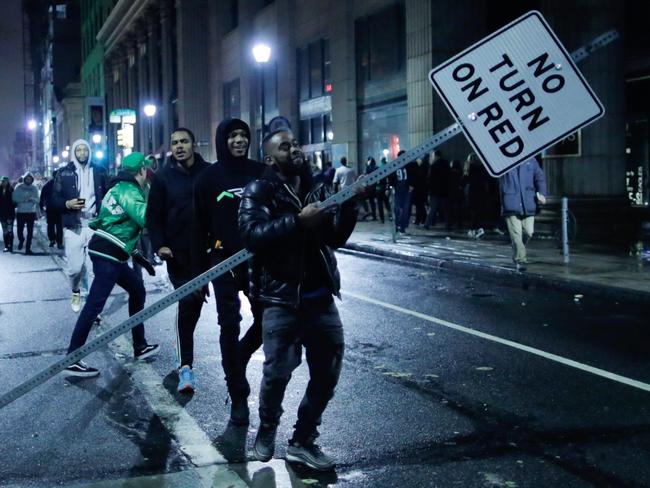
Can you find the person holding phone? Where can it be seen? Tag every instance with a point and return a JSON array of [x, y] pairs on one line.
[[78, 191]]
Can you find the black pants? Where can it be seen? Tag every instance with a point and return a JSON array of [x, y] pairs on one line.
[[55, 227], [8, 232], [108, 274], [27, 219], [189, 308], [286, 331], [236, 353], [382, 201]]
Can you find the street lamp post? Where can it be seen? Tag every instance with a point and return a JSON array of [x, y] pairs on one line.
[[150, 112], [262, 54], [31, 126]]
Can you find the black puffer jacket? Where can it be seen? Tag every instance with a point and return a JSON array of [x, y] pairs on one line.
[[268, 221]]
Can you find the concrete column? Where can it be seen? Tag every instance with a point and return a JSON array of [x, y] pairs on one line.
[[132, 74], [287, 62], [215, 13], [344, 93], [193, 88], [166, 68], [455, 25], [419, 61], [249, 88], [154, 72], [142, 143]]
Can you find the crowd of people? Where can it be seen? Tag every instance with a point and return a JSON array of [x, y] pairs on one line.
[[433, 191], [193, 215], [187, 214]]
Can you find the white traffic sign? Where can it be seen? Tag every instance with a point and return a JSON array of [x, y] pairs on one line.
[[515, 93]]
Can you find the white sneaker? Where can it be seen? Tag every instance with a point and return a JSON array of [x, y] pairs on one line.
[[479, 233], [471, 233], [75, 302]]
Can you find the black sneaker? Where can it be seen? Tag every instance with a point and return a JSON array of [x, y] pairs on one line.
[[81, 370], [264, 446], [20, 245], [52, 243], [239, 412], [147, 351], [310, 455]]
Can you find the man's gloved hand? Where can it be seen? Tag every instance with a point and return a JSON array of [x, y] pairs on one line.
[[142, 261]]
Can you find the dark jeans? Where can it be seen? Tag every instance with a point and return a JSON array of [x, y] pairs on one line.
[[189, 308], [22, 220], [402, 208], [55, 227], [286, 331], [8, 232], [382, 201], [236, 353], [438, 204], [108, 274]]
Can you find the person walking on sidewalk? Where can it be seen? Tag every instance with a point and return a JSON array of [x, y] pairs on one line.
[[169, 221], [215, 235], [371, 166], [520, 188], [344, 176], [117, 230], [52, 215], [402, 181], [477, 180], [419, 194], [381, 192], [77, 193], [7, 213], [26, 198], [439, 183], [294, 274]]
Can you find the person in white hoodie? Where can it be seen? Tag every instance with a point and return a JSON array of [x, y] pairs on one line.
[[78, 191], [26, 198]]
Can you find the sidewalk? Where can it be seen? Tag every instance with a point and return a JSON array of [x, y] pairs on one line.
[[592, 269]]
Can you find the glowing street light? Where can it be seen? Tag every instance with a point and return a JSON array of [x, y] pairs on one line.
[[99, 154], [65, 153], [150, 110], [97, 138], [55, 159], [31, 124], [261, 53]]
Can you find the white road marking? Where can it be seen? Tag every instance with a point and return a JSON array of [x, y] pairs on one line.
[[538, 352], [192, 440]]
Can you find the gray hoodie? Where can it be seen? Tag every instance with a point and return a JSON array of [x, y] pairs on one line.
[[26, 196]]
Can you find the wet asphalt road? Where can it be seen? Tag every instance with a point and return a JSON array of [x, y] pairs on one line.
[[439, 391]]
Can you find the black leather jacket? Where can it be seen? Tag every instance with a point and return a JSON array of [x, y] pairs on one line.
[[269, 225]]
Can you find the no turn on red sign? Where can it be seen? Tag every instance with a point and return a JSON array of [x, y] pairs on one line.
[[516, 93]]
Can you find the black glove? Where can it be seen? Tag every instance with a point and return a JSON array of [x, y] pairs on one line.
[[142, 261]]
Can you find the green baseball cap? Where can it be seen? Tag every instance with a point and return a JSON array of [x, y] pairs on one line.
[[134, 161]]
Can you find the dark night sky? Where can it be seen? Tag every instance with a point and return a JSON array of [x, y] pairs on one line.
[[12, 106]]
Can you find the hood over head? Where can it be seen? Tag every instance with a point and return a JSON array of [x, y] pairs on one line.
[[221, 139], [76, 143], [28, 175]]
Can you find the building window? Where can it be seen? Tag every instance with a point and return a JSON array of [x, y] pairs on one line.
[[232, 15], [61, 11], [317, 134], [381, 44], [303, 74], [231, 100], [314, 70], [305, 132]]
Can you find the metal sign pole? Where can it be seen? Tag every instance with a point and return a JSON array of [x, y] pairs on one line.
[[245, 255]]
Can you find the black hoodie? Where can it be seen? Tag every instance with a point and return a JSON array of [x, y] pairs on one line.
[[217, 195]]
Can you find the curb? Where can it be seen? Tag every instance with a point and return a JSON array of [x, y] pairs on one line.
[[511, 276]]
